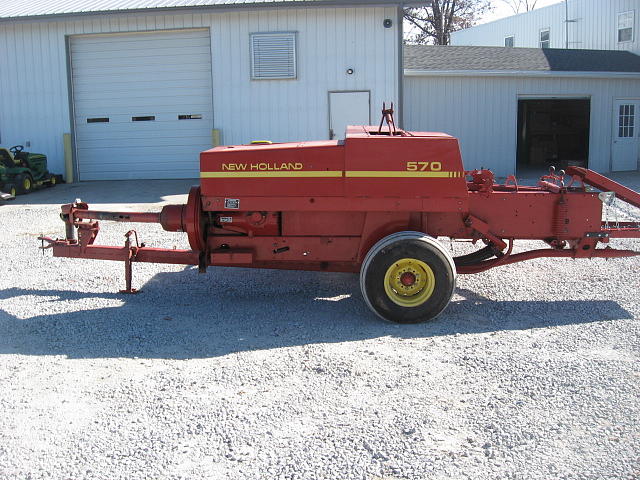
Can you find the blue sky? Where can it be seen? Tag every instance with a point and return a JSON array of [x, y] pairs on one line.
[[503, 10]]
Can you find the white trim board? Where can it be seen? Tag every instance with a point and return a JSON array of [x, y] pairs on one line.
[[517, 73]]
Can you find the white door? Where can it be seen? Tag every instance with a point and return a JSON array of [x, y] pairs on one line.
[[142, 104], [347, 108], [626, 135]]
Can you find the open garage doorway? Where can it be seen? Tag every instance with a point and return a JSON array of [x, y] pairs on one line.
[[552, 132]]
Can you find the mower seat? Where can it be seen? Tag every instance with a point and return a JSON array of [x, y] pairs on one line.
[[6, 158]]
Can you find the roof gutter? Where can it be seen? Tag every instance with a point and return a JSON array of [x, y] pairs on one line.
[[216, 8], [410, 72]]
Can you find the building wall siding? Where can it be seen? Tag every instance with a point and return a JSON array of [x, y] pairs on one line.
[[594, 25], [482, 113], [34, 92]]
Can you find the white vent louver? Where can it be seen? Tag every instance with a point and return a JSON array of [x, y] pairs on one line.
[[273, 55]]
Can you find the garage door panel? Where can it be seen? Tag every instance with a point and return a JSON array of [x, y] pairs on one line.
[[140, 107], [135, 47], [163, 122], [119, 164], [137, 86], [155, 62], [142, 153], [149, 97], [150, 174], [133, 143], [141, 74], [140, 38], [126, 131], [144, 93], [126, 127], [141, 56], [87, 132], [158, 74]]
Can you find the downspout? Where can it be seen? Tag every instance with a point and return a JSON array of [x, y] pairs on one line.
[[566, 24]]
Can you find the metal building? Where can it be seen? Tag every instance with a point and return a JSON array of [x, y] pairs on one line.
[[113, 90], [520, 109], [574, 24]]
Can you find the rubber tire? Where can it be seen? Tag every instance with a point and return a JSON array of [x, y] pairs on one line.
[[407, 245], [20, 184], [12, 190]]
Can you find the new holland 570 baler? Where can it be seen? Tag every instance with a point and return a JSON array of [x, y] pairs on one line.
[[374, 203]]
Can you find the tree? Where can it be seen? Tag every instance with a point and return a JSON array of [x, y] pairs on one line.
[[521, 5], [434, 22]]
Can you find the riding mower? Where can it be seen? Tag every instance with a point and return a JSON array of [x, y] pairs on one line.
[[21, 172]]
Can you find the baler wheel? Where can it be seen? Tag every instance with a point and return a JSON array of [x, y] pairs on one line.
[[408, 277]]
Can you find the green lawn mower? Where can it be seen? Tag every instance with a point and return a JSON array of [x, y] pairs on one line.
[[21, 172]]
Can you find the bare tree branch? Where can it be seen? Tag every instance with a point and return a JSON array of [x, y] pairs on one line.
[[434, 22], [521, 5]]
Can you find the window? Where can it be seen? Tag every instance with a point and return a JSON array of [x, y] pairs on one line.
[[625, 26], [273, 55], [626, 121], [545, 38], [509, 41]]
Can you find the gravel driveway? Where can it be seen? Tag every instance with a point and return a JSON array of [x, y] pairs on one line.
[[533, 372]]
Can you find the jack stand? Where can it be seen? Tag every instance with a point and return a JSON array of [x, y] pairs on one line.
[[128, 263]]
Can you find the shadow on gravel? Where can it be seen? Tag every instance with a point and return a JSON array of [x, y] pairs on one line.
[[184, 315]]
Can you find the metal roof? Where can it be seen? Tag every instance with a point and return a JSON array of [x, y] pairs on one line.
[[44, 8], [471, 58]]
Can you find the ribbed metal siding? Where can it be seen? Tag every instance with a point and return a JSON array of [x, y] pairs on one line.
[[34, 93], [482, 113], [593, 25]]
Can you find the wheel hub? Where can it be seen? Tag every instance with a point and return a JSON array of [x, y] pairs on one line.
[[407, 279], [409, 282]]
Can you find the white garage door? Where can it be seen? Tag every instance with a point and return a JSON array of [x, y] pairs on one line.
[[142, 104]]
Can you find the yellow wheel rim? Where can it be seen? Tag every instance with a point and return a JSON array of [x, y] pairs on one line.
[[409, 282], [26, 184], [53, 180], [13, 191]]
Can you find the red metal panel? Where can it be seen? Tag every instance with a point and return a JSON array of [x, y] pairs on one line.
[[407, 167], [300, 249], [322, 223], [283, 170], [228, 257], [339, 204], [531, 215]]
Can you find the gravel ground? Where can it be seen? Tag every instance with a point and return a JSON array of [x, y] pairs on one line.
[[533, 372]]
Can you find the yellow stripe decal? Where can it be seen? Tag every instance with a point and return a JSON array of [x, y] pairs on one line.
[[397, 174], [273, 174], [330, 174]]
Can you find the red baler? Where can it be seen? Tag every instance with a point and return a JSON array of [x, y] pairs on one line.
[[374, 204]]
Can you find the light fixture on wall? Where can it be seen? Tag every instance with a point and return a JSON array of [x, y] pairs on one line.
[[350, 71], [387, 23]]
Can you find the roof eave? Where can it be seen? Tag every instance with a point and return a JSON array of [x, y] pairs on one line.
[[516, 73], [217, 8]]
